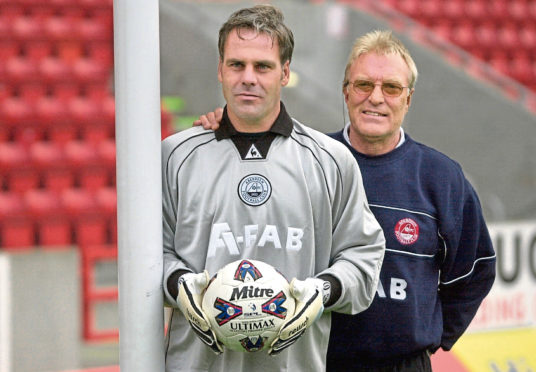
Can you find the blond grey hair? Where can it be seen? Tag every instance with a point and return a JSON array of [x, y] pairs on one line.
[[381, 42]]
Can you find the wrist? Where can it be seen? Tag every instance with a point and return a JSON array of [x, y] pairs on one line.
[[331, 289], [173, 282]]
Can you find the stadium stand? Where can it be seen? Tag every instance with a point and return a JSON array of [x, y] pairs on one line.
[[484, 28], [57, 127], [57, 112]]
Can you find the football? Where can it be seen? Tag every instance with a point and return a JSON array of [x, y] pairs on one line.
[[246, 302]]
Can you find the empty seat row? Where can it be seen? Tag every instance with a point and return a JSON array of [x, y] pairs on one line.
[[67, 52], [69, 8], [51, 110], [45, 218], [471, 10], [59, 133], [56, 28], [486, 35], [48, 165], [49, 69], [31, 92]]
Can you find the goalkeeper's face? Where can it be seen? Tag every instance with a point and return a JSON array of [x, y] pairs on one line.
[[252, 76], [377, 97]]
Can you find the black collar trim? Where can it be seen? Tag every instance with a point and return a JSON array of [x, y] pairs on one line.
[[282, 125]]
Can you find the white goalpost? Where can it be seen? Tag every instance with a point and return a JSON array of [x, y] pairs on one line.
[[139, 200]]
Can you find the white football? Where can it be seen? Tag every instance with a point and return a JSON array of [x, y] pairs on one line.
[[246, 302]]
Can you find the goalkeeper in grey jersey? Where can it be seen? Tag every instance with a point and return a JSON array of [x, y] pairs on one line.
[[265, 187]]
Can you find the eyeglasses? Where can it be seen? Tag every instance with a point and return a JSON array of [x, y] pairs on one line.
[[366, 87]]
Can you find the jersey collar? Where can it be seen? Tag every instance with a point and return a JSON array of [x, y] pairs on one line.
[[282, 125]]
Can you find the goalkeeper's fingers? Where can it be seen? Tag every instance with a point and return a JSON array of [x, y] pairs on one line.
[[309, 307], [191, 287]]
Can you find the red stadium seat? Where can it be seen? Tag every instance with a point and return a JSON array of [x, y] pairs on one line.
[[52, 224], [92, 173], [453, 10], [5, 136], [107, 200], [53, 70], [518, 10], [70, 50], [37, 49], [73, 13], [486, 36], [65, 91], [101, 51], [51, 111], [107, 154], [96, 4], [464, 35], [527, 37], [60, 4], [12, 10], [59, 28], [32, 91], [41, 10], [63, 133], [476, 10], [499, 61], [507, 37], [521, 68], [17, 168], [98, 91], [8, 48], [21, 69], [90, 71], [6, 91], [96, 132], [94, 29], [498, 10], [89, 226], [49, 159], [532, 9], [83, 110], [79, 154], [26, 134], [15, 111], [431, 11], [107, 111], [27, 28], [16, 227], [410, 8]]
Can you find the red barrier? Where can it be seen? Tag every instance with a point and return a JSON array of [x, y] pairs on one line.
[[92, 294]]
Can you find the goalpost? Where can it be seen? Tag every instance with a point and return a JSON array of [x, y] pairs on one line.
[[139, 200]]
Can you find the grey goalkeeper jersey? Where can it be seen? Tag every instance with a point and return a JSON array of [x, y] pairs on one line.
[[293, 198]]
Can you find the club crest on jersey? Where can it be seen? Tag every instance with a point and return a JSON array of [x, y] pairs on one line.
[[407, 231], [246, 271], [254, 190]]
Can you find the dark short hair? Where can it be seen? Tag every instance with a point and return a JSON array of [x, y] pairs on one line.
[[260, 18]]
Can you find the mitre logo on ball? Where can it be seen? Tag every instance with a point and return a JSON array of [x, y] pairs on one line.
[[246, 302]]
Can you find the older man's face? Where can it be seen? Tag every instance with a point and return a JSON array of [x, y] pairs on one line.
[[376, 117]]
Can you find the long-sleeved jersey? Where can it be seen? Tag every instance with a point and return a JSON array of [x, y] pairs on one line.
[[439, 263], [291, 197]]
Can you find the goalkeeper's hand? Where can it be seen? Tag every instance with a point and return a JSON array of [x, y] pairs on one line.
[[191, 287], [308, 294]]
